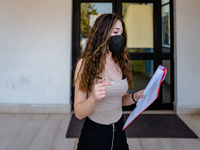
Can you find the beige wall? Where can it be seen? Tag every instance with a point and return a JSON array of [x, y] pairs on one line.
[[187, 55], [35, 54]]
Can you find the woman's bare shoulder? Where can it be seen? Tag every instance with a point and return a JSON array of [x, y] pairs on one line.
[[78, 67], [79, 63]]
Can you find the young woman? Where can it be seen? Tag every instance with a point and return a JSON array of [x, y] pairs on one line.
[[102, 77]]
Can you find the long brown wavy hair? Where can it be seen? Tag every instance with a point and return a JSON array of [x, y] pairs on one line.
[[96, 50]]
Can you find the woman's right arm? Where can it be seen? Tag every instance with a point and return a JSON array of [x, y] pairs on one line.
[[83, 105]]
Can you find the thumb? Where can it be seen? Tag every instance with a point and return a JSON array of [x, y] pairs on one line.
[[101, 80]]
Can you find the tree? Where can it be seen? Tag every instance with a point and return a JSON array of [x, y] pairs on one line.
[[87, 9]]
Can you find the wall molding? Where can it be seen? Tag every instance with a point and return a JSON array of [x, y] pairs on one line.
[[36, 108], [188, 109]]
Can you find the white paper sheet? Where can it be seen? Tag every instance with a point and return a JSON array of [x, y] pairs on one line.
[[150, 94]]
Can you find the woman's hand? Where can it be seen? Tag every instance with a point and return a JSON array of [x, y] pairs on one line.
[[138, 95], [100, 90]]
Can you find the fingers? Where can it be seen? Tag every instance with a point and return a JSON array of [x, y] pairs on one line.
[[139, 94], [101, 83], [105, 83], [101, 80], [100, 89], [102, 93], [142, 96], [99, 93]]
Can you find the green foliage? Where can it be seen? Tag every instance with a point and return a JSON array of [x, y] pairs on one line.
[[87, 9]]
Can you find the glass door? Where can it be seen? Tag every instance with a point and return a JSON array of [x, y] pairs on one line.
[[89, 13], [138, 18], [149, 39], [85, 13]]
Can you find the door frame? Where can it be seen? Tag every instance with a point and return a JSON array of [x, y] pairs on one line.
[[117, 8]]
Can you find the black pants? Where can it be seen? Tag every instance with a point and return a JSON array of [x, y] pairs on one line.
[[96, 136]]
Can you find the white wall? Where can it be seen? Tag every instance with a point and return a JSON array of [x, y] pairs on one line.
[[187, 56], [35, 52]]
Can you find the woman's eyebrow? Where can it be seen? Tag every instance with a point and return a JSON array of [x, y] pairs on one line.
[[117, 29]]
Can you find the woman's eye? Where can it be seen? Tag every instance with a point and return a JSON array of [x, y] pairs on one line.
[[115, 32]]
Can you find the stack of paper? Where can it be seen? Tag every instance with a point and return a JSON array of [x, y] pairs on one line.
[[150, 93]]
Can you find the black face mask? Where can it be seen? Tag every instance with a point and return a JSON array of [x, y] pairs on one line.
[[116, 44]]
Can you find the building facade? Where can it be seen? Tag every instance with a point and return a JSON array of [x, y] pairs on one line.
[[38, 50]]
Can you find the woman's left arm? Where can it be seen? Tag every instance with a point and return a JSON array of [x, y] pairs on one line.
[[128, 100]]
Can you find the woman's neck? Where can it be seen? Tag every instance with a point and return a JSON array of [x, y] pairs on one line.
[[109, 57]]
